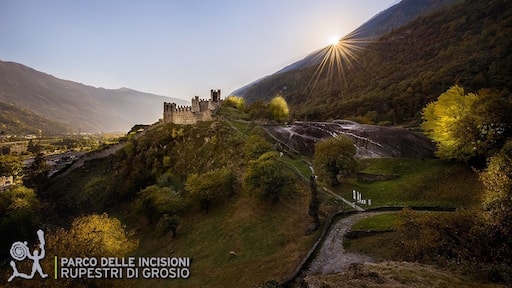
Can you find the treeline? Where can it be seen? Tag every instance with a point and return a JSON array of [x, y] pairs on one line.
[[392, 79]]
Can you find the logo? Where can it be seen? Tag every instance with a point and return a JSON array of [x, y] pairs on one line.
[[20, 251]]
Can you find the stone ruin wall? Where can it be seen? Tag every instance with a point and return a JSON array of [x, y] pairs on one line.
[[201, 110]]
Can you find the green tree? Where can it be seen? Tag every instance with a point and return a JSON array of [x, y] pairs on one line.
[[33, 148], [335, 156], [168, 223], [10, 165], [259, 110], [255, 146], [279, 109], [37, 173], [19, 210], [156, 201], [467, 126], [210, 187], [268, 178], [96, 193]]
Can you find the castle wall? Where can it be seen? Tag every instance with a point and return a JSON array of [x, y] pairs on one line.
[[200, 110]]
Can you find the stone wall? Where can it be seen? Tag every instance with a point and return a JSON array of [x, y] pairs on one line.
[[200, 110]]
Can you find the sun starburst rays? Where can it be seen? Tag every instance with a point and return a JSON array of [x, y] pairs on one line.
[[335, 62]]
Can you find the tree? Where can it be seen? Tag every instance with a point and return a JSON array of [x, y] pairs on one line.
[[10, 165], [168, 224], [267, 177], [335, 156], [467, 126], [210, 187], [96, 194], [156, 201], [259, 110], [235, 102], [314, 202], [19, 213], [497, 202], [37, 173], [279, 109], [33, 148], [93, 236], [255, 146]]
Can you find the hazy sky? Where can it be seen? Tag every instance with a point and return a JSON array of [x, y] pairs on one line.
[[172, 48]]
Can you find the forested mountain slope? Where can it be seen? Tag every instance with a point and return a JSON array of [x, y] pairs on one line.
[[393, 78]]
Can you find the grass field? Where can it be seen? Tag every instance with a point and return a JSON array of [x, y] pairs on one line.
[[382, 222], [269, 243], [429, 182]]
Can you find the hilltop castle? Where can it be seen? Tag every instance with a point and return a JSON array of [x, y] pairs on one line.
[[201, 110]]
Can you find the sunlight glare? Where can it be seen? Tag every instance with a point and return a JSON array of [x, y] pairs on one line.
[[336, 60], [334, 40]]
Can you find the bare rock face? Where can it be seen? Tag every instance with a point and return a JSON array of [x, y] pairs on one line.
[[371, 141]]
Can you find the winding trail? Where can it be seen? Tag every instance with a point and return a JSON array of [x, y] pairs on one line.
[[332, 257]]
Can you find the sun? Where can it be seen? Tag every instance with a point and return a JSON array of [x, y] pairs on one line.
[[335, 61], [334, 40]]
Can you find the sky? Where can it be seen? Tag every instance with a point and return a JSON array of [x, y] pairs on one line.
[[172, 48]]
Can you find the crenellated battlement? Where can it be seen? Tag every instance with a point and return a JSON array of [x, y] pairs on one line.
[[200, 110]]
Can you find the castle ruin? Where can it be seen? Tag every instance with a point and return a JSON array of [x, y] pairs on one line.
[[201, 110]]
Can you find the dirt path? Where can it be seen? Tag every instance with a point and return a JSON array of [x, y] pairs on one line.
[[332, 257]]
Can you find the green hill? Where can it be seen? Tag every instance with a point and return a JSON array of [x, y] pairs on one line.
[[240, 240]]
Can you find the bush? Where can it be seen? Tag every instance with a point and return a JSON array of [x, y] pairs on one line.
[[210, 187], [268, 178]]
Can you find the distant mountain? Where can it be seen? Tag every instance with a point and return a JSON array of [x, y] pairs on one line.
[[14, 120], [395, 76], [380, 24], [74, 105]]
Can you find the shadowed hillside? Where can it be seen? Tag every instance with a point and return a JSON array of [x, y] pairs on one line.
[[380, 24], [393, 78], [14, 120]]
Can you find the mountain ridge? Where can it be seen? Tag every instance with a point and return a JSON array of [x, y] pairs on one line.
[[397, 75], [395, 16], [77, 105]]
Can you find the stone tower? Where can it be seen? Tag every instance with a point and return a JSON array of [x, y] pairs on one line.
[[200, 110]]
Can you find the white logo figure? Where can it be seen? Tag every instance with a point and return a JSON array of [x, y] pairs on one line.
[[20, 251]]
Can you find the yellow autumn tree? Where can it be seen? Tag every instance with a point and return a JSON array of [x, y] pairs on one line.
[[93, 235], [235, 102], [445, 121], [468, 126], [279, 109]]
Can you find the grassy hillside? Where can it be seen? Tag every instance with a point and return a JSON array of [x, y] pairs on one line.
[[268, 239], [150, 178], [416, 182], [269, 243]]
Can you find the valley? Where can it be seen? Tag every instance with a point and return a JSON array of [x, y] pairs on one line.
[[381, 160], [268, 240]]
